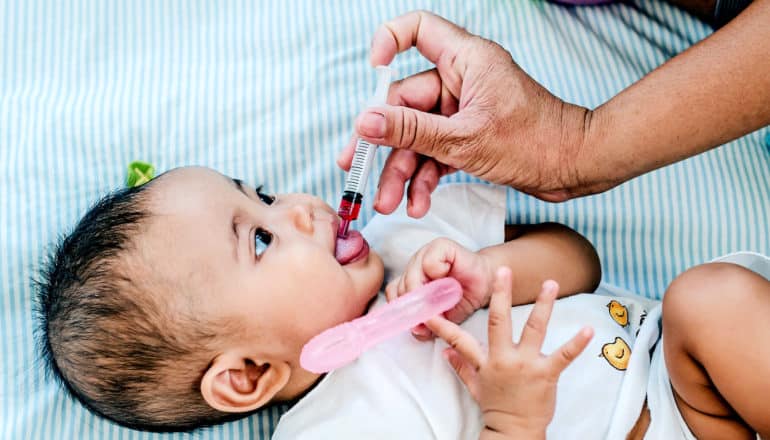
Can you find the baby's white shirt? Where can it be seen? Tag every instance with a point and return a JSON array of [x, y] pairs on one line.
[[405, 389]]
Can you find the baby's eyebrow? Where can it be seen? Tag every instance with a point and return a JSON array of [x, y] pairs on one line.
[[239, 186]]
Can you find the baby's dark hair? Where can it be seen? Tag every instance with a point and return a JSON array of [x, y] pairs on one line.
[[121, 350]]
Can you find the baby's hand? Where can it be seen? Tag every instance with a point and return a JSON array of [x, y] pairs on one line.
[[445, 258], [514, 384]]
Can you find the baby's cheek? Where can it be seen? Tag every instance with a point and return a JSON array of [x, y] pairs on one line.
[[368, 280], [327, 298]]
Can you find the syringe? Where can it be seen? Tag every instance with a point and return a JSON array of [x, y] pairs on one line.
[[358, 176]]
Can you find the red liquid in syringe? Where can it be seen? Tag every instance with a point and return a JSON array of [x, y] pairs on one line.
[[350, 205]]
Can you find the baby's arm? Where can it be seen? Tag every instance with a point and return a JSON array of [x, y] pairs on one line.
[[533, 253], [548, 251]]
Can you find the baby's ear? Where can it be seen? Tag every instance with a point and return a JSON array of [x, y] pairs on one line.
[[236, 384]]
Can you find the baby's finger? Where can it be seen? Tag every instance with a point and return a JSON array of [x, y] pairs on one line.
[[438, 259], [414, 278], [499, 320], [534, 332], [391, 290], [401, 289], [461, 311], [465, 371], [459, 339], [561, 358], [422, 333]]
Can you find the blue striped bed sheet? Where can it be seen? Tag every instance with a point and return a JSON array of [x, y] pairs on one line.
[[267, 91]]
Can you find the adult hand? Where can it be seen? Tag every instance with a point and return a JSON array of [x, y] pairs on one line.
[[476, 111], [514, 384], [479, 112]]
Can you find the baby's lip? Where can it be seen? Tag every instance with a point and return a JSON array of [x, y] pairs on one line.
[[335, 225]]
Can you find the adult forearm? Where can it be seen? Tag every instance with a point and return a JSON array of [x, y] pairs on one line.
[[716, 91]]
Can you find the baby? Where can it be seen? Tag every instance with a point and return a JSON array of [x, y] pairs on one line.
[[186, 302]]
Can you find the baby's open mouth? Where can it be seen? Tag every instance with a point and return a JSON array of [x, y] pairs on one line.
[[351, 249]]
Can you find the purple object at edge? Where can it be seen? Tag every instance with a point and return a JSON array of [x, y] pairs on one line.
[[582, 2]]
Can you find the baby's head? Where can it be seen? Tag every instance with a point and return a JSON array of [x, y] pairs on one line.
[[186, 302]]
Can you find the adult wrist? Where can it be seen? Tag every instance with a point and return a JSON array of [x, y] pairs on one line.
[[598, 164], [581, 141]]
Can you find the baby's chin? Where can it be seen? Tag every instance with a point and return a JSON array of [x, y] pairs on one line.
[[375, 273]]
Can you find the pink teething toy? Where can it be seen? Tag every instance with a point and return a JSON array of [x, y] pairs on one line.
[[342, 344]]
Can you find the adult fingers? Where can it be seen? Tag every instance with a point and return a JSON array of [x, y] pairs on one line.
[[406, 128], [431, 34], [422, 184], [458, 339], [499, 320], [561, 358], [534, 331], [398, 169], [421, 91], [345, 157]]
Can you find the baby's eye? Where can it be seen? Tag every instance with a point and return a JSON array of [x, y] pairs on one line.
[[266, 198], [262, 239]]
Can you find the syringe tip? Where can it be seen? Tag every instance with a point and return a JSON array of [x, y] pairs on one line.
[[342, 230]]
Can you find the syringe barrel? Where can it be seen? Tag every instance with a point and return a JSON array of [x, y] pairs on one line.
[[361, 167]]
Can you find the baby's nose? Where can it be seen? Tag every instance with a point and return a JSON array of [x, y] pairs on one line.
[[301, 216]]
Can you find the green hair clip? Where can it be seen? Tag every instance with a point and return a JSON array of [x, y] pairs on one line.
[[139, 173]]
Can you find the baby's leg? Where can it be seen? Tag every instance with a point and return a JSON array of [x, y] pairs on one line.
[[716, 334]]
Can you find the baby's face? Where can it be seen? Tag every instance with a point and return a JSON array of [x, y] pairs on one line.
[[269, 264]]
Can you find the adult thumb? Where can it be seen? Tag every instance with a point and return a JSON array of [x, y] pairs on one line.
[[403, 127]]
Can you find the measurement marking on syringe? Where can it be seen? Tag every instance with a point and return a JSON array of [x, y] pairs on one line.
[[360, 167], [359, 162]]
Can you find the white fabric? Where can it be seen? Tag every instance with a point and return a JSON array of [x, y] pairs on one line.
[[666, 421], [405, 389]]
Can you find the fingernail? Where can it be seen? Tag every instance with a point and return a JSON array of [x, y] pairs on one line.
[[372, 124], [421, 331]]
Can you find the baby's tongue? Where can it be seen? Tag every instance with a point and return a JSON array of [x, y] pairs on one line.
[[348, 247]]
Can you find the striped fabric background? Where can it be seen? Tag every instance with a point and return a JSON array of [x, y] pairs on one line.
[[267, 91]]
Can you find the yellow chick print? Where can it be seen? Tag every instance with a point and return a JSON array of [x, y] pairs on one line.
[[619, 312], [617, 353]]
